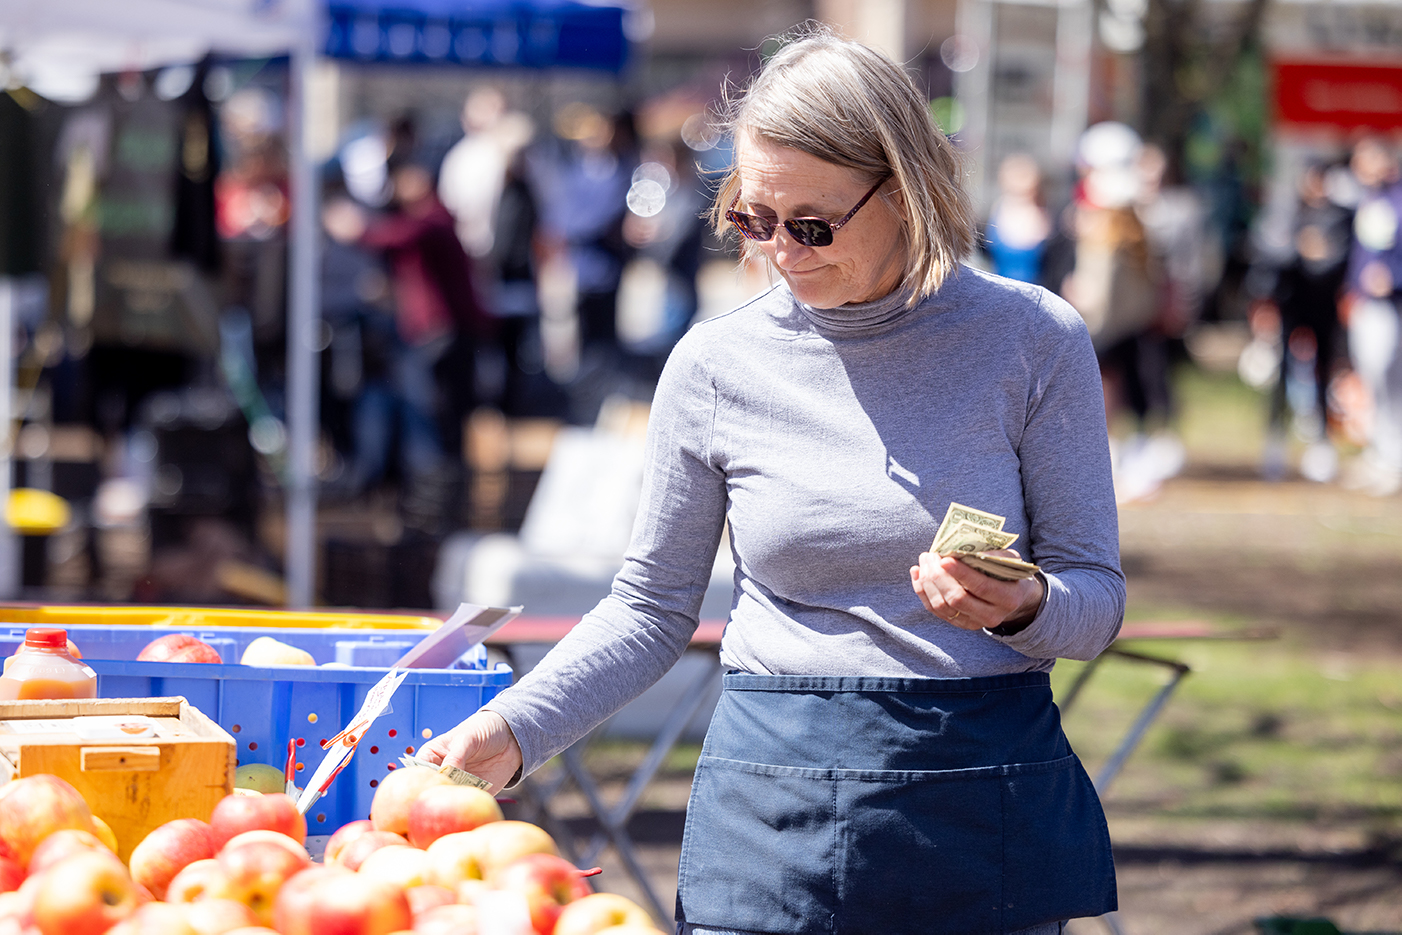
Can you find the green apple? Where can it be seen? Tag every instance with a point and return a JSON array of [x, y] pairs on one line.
[[260, 777]]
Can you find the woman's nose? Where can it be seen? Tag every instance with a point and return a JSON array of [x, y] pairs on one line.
[[788, 252]]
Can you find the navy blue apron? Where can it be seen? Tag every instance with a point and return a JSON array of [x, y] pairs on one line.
[[891, 806]]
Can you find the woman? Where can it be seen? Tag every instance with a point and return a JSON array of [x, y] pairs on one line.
[[881, 760]]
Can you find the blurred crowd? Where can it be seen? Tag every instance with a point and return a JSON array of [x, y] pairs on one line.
[[436, 265], [1141, 254]]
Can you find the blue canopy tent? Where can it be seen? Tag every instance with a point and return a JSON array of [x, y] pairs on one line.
[[64, 38]]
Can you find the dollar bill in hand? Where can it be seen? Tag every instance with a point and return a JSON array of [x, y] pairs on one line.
[[969, 535], [460, 777]]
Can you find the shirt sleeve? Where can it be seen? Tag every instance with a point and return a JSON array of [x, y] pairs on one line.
[[640, 630], [1070, 500]]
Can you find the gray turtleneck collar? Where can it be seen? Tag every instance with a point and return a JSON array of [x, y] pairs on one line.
[[860, 318]]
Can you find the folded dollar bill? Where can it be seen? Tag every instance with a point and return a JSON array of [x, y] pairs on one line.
[[459, 776], [969, 535]]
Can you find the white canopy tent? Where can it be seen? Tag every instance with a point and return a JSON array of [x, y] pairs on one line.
[[58, 44]]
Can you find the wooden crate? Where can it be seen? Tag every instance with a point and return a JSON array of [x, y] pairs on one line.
[[134, 785]]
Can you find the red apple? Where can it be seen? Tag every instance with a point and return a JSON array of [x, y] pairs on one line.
[[217, 916], [253, 874], [34, 808], [399, 864], [86, 894], [444, 810], [336, 902], [276, 837], [448, 920], [169, 849], [293, 905], [479, 853], [343, 836], [547, 882], [177, 647], [272, 812], [197, 880], [354, 853], [11, 875], [155, 919], [64, 843], [599, 911], [428, 896], [389, 809]]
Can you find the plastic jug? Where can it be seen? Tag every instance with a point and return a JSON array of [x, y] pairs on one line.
[[43, 668]]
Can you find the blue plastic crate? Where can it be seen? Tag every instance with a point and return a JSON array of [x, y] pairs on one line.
[[264, 708]]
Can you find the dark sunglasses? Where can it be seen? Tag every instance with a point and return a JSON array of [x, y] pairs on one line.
[[811, 232]]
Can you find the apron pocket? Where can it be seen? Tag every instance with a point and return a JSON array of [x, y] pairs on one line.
[[1058, 863], [921, 851], [759, 850]]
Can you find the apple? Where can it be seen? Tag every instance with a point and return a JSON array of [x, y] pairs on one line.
[[235, 814], [400, 864], [169, 849], [428, 896], [444, 810], [389, 809], [599, 911], [343, 836], [448, 920], [85, 894], [547, 882], [276, 837], [177, 647], [155, 919], [293, 905], [260, 777], [330, 901], [11, 875], [104, 833], [34, 808], [253, 874], [479, 853], [64, 843], [215, 916], [199, 880], [354, 853], [266, 651]]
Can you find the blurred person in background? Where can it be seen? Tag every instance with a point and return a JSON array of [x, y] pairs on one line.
[[437, 323], [1374, 283], [1019, 225], [665, 225], [587, 214], [1114, 285], [1303, 288]]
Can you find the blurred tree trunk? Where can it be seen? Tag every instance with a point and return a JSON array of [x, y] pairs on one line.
[[1187, 59]]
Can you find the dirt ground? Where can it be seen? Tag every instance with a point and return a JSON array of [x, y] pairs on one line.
[[1318, 564]]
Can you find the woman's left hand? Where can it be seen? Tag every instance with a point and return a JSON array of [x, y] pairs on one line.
[[969, 599]]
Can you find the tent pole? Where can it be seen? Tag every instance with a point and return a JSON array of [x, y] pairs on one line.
[[303, 325], [9, 542]]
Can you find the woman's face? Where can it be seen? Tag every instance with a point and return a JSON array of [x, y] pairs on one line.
[[867, 256]]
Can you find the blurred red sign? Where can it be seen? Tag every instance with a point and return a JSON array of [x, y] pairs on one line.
[[1338, 95]]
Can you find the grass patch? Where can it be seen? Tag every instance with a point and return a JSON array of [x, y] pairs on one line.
[[1257, 730]]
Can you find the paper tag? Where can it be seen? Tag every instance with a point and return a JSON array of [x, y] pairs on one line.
[[469, 625], [87, 727], [341, 746]]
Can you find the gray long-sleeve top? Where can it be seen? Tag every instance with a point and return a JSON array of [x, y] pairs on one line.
[[833, 441]]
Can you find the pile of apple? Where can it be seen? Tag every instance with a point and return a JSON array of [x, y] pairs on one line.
[[434, 858]]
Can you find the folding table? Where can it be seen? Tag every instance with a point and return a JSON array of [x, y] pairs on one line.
[[613, 819]]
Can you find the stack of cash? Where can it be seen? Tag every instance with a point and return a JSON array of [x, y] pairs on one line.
[[970, 535], [460, 777]]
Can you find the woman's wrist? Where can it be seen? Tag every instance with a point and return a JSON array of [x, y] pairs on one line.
[[1023, 617]]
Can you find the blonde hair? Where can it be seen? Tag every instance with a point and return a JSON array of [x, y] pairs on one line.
[[844, 103]]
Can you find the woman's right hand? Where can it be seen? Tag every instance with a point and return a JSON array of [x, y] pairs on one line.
[[483, 745]]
